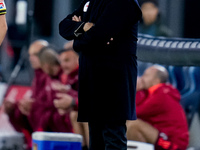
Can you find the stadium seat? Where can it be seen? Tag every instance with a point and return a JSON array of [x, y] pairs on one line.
[[179, 78], [190, 100], [134, 145], [172, 77], [186, 79]]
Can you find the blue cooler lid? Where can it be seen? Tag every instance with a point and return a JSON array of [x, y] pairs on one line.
[[57, 136]]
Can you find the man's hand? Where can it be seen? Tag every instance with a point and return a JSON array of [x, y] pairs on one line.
[[88, 26], [111, 39], [77, 19], [25, 106], [62, 111], [57, 86], [140, 84], [63, 101]]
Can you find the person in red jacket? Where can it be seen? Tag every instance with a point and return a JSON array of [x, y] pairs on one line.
[[24, 114], [69, 82], [161, 119], [38, 86], [52, 119], [69, 63]]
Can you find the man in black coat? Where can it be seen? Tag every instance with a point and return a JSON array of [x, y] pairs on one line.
[[105, 35]]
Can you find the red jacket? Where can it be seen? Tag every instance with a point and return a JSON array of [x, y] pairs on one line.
[[160, 107], [50, 119], [43, 115], [39, 94], [72, 81], [20, 121], [29, 124]]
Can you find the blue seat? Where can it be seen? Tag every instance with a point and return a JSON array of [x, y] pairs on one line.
[[187, 80], [190, 100], [179, 78], [172, 77]]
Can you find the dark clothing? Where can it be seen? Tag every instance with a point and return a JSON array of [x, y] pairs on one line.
[[107, 73], [106, 136]]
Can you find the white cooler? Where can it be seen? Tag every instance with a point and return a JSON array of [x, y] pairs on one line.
[[134, 145], [56, 141], [11, 141]]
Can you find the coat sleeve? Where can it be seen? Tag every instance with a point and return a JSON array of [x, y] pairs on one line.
[[116, 17], [67, 27]]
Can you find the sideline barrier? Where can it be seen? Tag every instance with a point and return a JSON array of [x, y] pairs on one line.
[[56, 141], [169, 51]]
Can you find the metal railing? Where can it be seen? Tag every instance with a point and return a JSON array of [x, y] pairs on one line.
[[169, 51]]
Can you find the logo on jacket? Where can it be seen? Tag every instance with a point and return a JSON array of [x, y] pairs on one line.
[[86, 7]]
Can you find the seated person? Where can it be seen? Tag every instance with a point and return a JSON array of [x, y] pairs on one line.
[[161, 119], [70, 66], [52, 119], [151, 23], [24, 114]]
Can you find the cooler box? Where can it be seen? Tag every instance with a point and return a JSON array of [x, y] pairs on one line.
[[56, 141]]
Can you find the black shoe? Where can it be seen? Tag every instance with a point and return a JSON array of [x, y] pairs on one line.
[[84, 148]]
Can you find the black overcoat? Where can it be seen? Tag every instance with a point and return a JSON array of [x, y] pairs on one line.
[[107, 73]]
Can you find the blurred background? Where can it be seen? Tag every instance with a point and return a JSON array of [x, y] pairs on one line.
[[29, 20]]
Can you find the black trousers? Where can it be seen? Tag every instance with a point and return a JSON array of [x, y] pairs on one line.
[[107, 136]]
